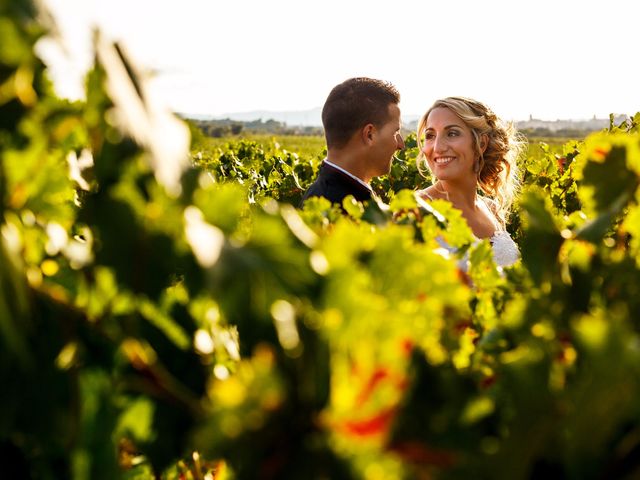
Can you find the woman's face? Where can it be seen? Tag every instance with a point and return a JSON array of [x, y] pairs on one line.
[[448, 146]]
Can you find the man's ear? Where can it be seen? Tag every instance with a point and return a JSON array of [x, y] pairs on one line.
[[368, 133]]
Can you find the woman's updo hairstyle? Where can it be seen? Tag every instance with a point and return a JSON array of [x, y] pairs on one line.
[[496, 167]]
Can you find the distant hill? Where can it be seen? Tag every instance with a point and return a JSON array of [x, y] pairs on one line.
[[554, 128], [591, 125], [298, 118], [309, 122], [224, 127]]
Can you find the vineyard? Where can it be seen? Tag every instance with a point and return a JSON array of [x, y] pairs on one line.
[[168, 311]]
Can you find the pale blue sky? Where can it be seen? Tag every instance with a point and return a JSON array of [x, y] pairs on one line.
[[548, 58]]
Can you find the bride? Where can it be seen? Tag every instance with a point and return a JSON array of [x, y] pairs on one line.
[[472, 156]]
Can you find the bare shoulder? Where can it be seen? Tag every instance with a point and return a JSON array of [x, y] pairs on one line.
[[493, 207], [424, 194], [429, 193]]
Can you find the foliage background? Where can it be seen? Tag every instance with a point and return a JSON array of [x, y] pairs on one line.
[[168, 311]]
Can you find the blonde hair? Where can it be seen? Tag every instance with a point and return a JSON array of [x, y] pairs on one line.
[[498, 175]]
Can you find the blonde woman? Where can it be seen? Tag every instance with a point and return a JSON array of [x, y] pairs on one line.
[[472, 156]]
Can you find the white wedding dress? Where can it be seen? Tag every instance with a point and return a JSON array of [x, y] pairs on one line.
[[505, 250]]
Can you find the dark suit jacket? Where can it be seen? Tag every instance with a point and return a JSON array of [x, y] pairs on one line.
[[334, 185]]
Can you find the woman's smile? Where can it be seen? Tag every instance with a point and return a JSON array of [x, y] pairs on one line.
[[440, 161]]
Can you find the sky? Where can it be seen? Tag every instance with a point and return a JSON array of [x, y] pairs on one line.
[[549, 59]]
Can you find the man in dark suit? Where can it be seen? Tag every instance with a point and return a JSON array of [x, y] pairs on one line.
[[361, 120]]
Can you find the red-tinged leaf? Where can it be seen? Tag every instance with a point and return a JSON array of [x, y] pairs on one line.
[[601, 153], [462, 326], [407, 346], [378, 375], [488, 381], [376, 425], [464, 277]]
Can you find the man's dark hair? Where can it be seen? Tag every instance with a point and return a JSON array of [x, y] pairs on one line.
[[355, 103]]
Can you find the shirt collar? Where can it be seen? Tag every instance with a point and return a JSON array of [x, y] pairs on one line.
[[331, 164]]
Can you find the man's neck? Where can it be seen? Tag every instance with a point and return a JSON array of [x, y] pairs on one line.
[[349, 164]]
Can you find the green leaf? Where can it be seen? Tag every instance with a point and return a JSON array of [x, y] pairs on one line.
[[403, 200], [353, 208], [14, 308], [605, 182], [541, 240], [136, 420], [595, 230], [477, 409]]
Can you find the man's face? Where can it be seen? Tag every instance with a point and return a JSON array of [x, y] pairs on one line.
[[388, 142]]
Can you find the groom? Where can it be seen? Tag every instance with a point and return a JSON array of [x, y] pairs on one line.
[[361, 120]]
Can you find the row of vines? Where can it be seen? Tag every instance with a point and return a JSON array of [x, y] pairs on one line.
[[168, 311]]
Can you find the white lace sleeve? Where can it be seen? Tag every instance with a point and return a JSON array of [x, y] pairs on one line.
[[505, 250]]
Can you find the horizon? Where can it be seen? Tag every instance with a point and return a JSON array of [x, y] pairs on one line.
[[259, 114], [213, 59]]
